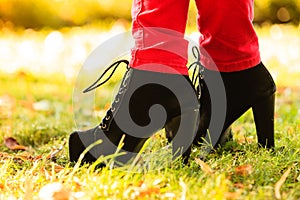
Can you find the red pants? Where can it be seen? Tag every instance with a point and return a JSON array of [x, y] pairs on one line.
[[228, 40]]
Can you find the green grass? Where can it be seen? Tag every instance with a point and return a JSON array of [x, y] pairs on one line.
[[240, 169]]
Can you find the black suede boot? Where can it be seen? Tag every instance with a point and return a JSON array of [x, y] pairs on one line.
[[197, 79], [146, 101], [252, 88]]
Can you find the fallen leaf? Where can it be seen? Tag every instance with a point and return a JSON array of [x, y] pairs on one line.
[[149, 192], [233, 195], [239, 185], [244, 170], [25, 156], [280, 183], [38, 157], [141, 184], [246, 140], [205, 167], [2, 186], [28, 104], [54, 191], [57, 168], [77, 183], [12, 144], [4, 155]]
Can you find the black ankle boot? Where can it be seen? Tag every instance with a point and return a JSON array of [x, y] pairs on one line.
[[252, 88], [146, 101], [197, 79]]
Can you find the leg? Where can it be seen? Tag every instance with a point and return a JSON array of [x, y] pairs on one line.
[[158, 39]]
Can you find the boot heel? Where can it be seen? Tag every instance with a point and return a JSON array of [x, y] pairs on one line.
[[263, 113], [182, 135]]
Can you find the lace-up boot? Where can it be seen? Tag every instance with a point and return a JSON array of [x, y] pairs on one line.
[[252, 88], [146, 101]]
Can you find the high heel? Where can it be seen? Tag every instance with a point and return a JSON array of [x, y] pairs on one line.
[[263, 113], [175, 133]]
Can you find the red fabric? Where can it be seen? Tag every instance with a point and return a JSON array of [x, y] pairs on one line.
[[227, 37]]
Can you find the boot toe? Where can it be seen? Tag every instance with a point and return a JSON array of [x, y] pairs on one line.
[[76, 148], [79, 141]]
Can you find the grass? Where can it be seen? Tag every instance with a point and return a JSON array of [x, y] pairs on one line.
[[36, 109]]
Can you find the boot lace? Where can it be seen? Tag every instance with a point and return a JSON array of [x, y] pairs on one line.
[[197, 76], [197, 71], [104, 125]]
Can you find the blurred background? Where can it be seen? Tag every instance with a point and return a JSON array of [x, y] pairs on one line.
[[49, 36], [54, 14]]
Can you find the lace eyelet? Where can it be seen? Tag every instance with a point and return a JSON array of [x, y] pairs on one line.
[[107, 117], [113, 109], [117, 100], [103, 126]]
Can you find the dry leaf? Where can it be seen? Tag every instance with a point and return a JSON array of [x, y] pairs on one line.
[[28, 104], [4, 155], [55, 191], [149, 192], [12, 144], [57, 168], [77, 183], [280, 183], [25, 156], [233, 195], [205, 167], [244, 170], [246, 140], [239, 185]]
